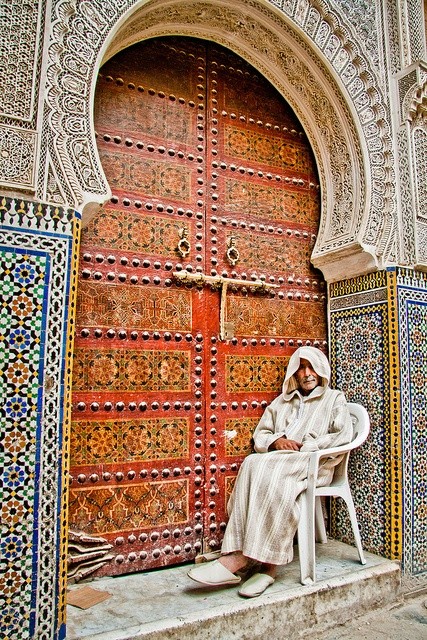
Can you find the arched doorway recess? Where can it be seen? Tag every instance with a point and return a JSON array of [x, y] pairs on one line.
[[213, 180], [309, 55]]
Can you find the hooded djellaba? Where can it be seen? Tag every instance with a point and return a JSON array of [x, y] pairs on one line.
[[263, 508]]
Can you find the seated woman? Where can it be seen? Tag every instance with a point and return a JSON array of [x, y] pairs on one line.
[[263, 508]]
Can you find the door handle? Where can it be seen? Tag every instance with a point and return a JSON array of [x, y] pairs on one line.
[[183, 246], [232, 253]]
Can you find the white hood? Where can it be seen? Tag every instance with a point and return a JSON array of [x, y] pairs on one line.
[[318, 361]]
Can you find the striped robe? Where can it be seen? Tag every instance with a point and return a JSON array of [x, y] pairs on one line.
[[263, 508]]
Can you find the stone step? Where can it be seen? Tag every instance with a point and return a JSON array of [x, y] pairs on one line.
[[166, 604]]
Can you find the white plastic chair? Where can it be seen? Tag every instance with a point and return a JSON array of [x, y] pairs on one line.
[[311, 526]]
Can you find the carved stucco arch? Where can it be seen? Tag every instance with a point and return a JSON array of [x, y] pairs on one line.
[[306, 53], [416, 107]]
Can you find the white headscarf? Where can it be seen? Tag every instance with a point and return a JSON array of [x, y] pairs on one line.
[[318, 361]]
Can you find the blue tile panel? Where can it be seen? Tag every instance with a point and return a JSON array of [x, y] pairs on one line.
[[359, 348], [378, 326], [25, 281], [36, 244], [412, 302]]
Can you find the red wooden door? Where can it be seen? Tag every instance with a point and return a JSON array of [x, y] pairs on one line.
[[213, 181]]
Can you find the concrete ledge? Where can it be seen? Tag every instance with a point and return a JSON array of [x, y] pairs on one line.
[[166, 605]]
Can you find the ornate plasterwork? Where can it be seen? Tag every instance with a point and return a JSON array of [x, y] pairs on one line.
[[412, 84], [413, 162], [365, 21], [21, 26], [417, 109], [17, 152], [407, 240], [419, 137], [300, 48]]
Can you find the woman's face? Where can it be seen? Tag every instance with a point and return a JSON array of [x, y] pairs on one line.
[[306, 377]]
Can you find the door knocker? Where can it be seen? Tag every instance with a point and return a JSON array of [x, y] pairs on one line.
[[183, 246], [232, 254]]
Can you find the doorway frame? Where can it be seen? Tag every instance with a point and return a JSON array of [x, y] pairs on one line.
[[306, 52]]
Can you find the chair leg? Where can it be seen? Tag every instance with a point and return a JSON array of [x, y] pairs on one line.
[[356, 532], [306, 543], [320, 522]]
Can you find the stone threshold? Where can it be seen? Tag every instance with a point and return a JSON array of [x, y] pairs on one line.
[[166, 604]]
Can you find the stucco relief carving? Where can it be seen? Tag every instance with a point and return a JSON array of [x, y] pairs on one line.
[[20, 55], [76, 39], [53, 190], [414, 144], [362, 16], [20, 23], [80, 32], [422, 243], [407, 235], [417, 103], [419, 138], [17, 152]]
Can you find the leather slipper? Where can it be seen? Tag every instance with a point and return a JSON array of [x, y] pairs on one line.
[[212, 574], [256, 585]]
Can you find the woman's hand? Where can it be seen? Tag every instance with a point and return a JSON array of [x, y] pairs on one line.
[[283, 444]]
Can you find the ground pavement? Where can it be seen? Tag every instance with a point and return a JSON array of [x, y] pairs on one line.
[[406, 621]]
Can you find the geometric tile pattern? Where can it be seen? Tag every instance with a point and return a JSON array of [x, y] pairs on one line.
[[364, 359], [412, 302], [379, 358], [36, 243], [107, 442], [254, 373], [238, 433], [25, 276], [129, 370], [359, 361]]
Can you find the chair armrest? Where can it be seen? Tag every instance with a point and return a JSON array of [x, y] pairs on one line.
[[335, 450], [322, 453], [315, 457]]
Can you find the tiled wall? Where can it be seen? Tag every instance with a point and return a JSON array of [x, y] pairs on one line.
[[412, 313], [378, 344], [36, 253], [378, 330]]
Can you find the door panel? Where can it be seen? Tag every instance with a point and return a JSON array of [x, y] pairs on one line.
[[136, 383], [263, 198], [210, 174]]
